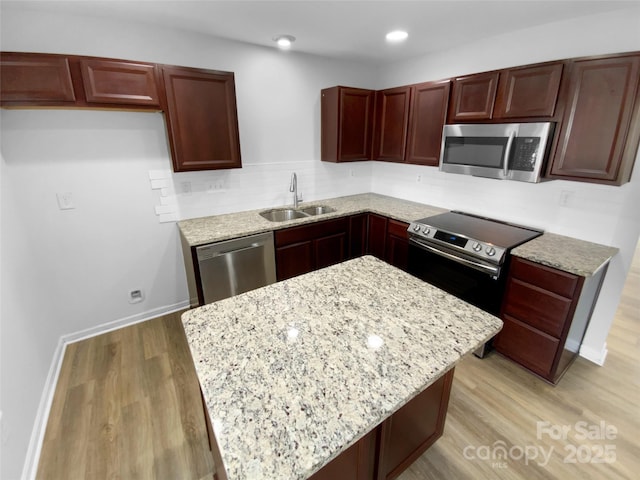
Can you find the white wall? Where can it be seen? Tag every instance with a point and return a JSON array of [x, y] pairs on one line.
[[596, 213], [69, 271]]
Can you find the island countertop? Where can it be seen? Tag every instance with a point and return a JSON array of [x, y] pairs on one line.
[[294, 373]]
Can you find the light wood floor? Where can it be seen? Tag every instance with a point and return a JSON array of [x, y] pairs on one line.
[[127, 406]]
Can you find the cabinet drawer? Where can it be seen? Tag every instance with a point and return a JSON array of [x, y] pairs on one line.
[[547, 278], [529, 347], [399, 229], [539, 308], [311, 231]]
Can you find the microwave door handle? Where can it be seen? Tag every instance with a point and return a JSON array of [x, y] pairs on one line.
[[507, 154]]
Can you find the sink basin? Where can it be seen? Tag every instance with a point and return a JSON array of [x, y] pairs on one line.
[[282, 214], [318, 210]]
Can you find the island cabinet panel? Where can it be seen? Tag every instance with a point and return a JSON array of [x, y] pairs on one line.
[[410, 431], [473, 97], [310, 247], [392, 122], [202, 119], [120, 82], [427, 116], [600, 131], [530, 91], [32, 79], [355, 463], [545, 312], [347, 116]]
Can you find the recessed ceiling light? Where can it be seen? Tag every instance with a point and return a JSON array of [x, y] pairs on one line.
[[397, 36], [284, 41]]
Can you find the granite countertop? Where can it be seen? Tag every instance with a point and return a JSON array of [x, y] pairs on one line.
[[565, 253], [296, 372], [200, 231]]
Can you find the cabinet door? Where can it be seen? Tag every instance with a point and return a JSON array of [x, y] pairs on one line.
[[598, 137], [397, 247], [293, 260], [473, 97], [427, 116], [528, 91], [392, 122], [35, 79], [346, 124], [201, 119], [377, 236], [330, 250], [355, 463], [410, 431], [119, 82], [357, 235]]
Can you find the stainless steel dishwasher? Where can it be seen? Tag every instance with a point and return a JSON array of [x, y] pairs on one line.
[[236, 266]]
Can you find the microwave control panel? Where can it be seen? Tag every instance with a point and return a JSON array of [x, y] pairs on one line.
[[525, 153]]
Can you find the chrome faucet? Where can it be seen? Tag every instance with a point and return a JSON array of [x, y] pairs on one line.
[[294, 189]]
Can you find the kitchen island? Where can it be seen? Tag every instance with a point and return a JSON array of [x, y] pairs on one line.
[[296, 373]]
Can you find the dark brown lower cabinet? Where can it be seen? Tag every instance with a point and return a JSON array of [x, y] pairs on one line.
[[357, 235], [388, 450], [310, 247], [388, 240], [397, 244], [546, 313]]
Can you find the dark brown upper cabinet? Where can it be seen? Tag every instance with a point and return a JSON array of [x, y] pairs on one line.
[[600, 130], [516, 93], [392, 123], [120, 82], [202, 120], [346, 124], [427, 116], [30, 79], [473, 97], [528, 91]]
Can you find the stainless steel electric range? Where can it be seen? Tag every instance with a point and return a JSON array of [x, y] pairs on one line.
[[466, 255]]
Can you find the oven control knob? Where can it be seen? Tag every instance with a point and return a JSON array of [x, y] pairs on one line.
[[491, 251], [477, 247], [416, 228], [426, 230]]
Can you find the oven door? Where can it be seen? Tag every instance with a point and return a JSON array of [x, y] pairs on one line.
[[474, 286]]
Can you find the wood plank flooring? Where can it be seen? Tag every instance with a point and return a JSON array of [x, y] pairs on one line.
[[127, 405]]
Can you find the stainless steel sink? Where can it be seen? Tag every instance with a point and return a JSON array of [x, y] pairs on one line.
[[284, 214], [318, 210]]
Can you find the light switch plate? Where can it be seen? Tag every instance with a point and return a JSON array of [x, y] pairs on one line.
[[65, 201]]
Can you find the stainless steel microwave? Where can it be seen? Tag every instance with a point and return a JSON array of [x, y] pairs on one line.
[[508, 151]]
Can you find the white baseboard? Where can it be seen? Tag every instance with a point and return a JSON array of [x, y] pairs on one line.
[[30, 468], [593, 355]]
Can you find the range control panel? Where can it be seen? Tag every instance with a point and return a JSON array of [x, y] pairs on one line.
[[470, 246]]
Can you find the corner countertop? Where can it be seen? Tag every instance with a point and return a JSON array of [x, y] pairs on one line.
[[565, 253], [200, 231], [294, 373]]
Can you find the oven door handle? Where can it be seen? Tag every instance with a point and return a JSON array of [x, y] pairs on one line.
[[494, 271]]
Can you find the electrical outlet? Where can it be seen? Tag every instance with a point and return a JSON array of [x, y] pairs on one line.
[[65, 201], [418, 178], [565, 197], [185, 188], [136, 296], [351, 173]]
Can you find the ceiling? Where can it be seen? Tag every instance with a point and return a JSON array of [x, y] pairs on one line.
[[351, 30]]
